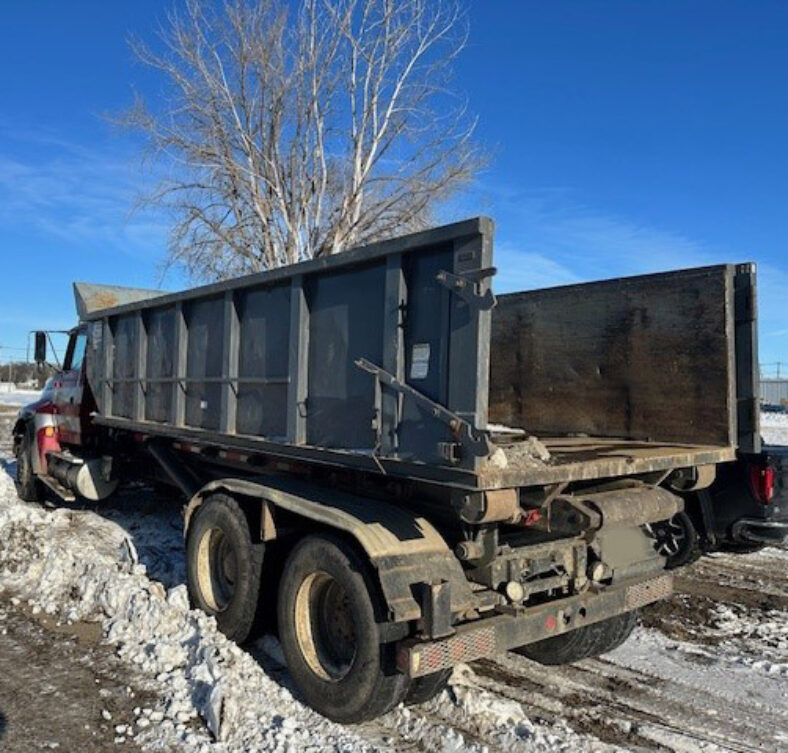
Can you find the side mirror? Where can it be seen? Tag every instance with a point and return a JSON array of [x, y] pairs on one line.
[[41, 347]]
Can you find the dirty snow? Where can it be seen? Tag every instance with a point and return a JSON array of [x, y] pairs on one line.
[[80, 566], [722, 687]]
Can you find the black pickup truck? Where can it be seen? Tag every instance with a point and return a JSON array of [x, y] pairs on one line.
[[745, 509]]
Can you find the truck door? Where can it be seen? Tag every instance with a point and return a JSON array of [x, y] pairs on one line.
[[68, 390]]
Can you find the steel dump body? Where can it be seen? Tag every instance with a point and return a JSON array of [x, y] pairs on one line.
[[385, 359]]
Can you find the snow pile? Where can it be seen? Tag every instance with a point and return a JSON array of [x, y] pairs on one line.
[[774, 427], [76, 566], [742, 631], [80, 566]]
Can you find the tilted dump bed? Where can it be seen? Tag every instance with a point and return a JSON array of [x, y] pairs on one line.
[[380, 359]]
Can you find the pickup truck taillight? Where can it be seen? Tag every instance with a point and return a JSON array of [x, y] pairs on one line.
[[762, 483]]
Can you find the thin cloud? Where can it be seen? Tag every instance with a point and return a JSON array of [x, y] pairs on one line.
[[80, 196], [545, 238]]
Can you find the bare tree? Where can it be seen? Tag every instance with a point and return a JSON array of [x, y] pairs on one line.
[[288, 136]]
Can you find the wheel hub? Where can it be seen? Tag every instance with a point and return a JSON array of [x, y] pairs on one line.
[[217, 569], [324, 626]]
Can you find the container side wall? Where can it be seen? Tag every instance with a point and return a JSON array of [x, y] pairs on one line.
[[123, 364], [273, 357], [160, 326], [426, 352], [648, 358], [748, 412], [205, 327], [345, 323], [264, 316]]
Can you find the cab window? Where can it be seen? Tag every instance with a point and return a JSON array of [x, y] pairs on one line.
[[76, 352]]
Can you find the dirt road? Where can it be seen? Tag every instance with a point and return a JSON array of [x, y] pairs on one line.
[[60, 691]]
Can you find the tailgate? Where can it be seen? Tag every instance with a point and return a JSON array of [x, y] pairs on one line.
[[662, 358]]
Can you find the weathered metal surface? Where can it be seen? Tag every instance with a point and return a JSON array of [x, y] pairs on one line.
[[90, 298], [493, 635], [268, 364], [588, 458], [647, 358], [748, 414], [640, 504], [272, 356]]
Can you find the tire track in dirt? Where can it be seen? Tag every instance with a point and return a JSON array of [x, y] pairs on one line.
[[628, 707], [634, 707]]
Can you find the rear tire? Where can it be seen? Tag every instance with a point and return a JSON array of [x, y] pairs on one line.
[[583, 643], [328, 609], [423, 689], [614, 632], [224, 566], [29, 488]]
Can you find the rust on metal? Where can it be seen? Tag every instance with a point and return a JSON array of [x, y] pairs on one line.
[[90, 298]]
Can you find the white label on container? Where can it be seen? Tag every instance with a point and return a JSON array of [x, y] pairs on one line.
[[420, 361]]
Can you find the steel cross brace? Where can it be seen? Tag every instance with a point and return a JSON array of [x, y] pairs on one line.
[[477, 444]]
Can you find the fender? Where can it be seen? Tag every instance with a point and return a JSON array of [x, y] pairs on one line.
[[405, 549]]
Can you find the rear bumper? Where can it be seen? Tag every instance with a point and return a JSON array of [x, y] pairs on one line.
[[758, 531], [517, 626]]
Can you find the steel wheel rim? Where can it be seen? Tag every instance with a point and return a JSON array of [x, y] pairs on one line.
[[324, 626], [217, 569]]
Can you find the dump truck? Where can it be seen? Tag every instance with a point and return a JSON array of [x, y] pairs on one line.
[[392, 478]]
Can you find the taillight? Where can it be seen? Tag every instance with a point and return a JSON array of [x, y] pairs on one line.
[[762, 483]]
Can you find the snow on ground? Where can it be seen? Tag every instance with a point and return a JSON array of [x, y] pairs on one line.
[[774, 427], [78, 565], [19, 397], [708, 671]]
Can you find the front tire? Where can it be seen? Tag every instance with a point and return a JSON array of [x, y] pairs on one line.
[[29, 488], [224, 566], [328, 610]]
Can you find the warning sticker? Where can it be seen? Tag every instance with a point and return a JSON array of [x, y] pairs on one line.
[[420, 361]]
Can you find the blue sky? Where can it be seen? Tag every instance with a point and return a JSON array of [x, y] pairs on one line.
[[627, 137]]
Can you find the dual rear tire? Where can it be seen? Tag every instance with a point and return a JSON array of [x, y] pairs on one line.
[[583, 643], [328, 608], [224, 567], [328, 612]]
